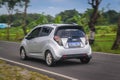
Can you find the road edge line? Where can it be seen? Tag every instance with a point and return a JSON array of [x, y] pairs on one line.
[[39, 69], [111, 54]]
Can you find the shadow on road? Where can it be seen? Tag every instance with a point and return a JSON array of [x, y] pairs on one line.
[[70, 62]]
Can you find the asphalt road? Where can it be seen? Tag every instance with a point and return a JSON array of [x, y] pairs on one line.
[[102, 66]]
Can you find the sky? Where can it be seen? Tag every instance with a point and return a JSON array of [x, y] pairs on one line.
[[54, 7]]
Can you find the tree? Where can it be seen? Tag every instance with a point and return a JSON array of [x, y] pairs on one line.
[[25, 3], [50, 18], [17, 19], [83, 19], [58, 19], [117, 40], [67, 15], [3, 18], [41, 20], [111, 16], [10, 5], [93, 19]]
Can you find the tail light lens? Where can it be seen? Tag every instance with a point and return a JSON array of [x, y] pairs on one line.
[[58, 40], [86, 40]]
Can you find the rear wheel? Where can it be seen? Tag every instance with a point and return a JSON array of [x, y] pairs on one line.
[[85, 60], [49, 59], [23, 54]]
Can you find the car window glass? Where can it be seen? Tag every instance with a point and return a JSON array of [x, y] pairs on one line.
[[45, 31], [35, 33], [65, 33]]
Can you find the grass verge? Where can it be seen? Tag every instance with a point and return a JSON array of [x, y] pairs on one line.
[[103, 43], [9, 72]]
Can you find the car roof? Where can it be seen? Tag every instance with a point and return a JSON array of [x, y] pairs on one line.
[[56, 25]]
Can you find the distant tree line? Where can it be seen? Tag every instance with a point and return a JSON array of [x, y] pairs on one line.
[[17, 18], [67, 16]]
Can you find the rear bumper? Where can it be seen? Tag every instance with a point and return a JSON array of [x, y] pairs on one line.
[[61, 54], [77, 56]]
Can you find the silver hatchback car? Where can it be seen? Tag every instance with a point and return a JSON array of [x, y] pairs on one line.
[[54, 42]]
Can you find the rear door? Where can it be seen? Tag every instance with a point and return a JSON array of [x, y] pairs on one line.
[[72, 37]]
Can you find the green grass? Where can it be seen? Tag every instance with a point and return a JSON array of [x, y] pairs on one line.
[[15, 34], [103, 43]]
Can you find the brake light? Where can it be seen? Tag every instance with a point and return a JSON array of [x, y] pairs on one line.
[[58, 40]]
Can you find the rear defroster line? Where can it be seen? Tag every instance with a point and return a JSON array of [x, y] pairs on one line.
[[39, 69]]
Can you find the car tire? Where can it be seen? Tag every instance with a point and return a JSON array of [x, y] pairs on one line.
[[23, 54], [49, 59], [85, 60]]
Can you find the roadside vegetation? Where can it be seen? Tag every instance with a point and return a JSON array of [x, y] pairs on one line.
[[103, 43], [104, 37], [9, 72]]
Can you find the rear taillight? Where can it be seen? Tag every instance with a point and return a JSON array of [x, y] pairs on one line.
[[86, 40], [58, 40]]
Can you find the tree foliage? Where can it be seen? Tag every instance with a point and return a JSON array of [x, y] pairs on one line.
[[58, 19], [67, 15], [111, 16], [80, 18], [42, 19]]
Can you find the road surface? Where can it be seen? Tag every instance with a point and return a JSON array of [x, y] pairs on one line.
[[102, 66]]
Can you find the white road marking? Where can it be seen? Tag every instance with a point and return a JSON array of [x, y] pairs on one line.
[[111, 54], [39, 69]]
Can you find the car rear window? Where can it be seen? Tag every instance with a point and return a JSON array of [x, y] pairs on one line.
[[70, 32]]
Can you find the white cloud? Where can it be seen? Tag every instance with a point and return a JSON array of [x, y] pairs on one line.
[[52, 10], [51, 7]]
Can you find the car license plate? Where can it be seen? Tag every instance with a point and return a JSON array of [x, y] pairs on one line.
[[74, 44]]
